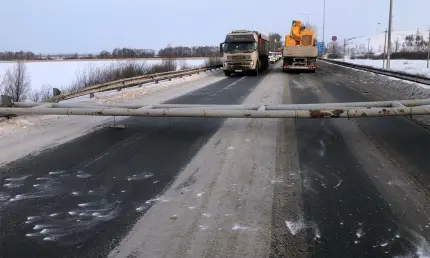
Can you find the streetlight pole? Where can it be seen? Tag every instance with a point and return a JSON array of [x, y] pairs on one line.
[[428, 51], [390, 20], [385, 48], [323, 26], [344, 49], [368, 47]]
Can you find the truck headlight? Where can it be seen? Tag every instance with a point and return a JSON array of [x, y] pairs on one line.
[[225, 64], [251, 64]]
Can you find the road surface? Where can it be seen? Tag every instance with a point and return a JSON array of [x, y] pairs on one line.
[[359, 177], [191, 187]]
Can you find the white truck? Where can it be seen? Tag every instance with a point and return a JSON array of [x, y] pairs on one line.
[[274, 56]]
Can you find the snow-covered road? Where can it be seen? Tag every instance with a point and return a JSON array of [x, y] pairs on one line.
[[196, 187]]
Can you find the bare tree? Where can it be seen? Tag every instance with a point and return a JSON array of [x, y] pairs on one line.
[[2, 83], [169, 63], [362, 49], [213, 60], [396, 45], [184, 65], [275, 40], [16, 82], [41, 94]]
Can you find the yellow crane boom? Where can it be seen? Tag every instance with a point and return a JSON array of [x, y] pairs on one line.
[[300, 35]]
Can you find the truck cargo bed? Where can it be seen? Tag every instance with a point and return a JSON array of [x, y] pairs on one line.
[[300, 51]]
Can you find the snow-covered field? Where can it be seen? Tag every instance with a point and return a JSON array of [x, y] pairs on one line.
[[408, 66], [62, 74], [375, 43], [402, 40]]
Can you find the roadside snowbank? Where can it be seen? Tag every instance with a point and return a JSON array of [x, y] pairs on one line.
[[408, 66]]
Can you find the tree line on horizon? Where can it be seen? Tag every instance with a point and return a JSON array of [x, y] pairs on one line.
[[122, 53], [119, 53]]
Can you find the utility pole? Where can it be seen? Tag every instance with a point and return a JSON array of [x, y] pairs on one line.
[[385, 48], [324, 25], [368, 47], [344, 49], [428, 50], [390, 20]]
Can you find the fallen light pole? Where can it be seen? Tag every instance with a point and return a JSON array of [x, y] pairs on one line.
[[317, 110], [395, 103], [327, 110]]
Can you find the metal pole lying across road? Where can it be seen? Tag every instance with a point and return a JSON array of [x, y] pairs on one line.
[[408, 102], [327, 110], [262, 113]]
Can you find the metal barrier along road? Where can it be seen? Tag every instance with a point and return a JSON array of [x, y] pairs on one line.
[[131, 82], [323, 110]]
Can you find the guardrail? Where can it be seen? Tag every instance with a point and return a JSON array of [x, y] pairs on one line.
[[391, 73], [131, 82]]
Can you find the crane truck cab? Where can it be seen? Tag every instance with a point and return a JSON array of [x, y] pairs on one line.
[[245, 51]]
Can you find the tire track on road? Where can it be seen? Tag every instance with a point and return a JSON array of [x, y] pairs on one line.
[[345, 213], [146, 157]]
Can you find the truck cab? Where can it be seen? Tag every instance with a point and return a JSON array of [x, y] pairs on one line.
[[244, 52]]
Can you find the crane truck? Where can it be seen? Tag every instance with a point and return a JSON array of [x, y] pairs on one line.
[[299, 51], [245, 51]]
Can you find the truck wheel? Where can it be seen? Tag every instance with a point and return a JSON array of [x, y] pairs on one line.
[[254, 72], [227, 73]]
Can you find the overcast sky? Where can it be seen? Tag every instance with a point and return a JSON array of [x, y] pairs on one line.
[[52, 26]]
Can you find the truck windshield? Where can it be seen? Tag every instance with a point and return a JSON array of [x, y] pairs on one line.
[[240, 46]]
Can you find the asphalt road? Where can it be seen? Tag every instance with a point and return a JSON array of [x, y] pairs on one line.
[[80, 199], [364, 182], [342, 188]]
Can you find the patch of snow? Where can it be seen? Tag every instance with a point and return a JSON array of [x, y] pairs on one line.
[[295, 226], [359, 233], [239, 227], [200, 194]]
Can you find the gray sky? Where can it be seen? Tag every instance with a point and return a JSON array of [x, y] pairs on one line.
[[51, 26]]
